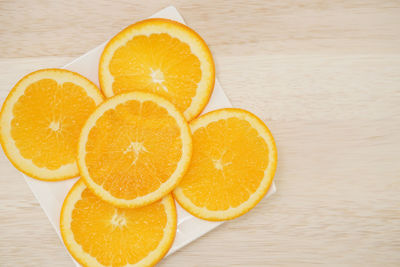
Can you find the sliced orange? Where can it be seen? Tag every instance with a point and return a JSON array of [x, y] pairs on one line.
[[233, 164], [41, 120], [99, 234], [134, 149], [160, 56]]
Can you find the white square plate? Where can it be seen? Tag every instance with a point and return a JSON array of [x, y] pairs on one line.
[[51, 194]]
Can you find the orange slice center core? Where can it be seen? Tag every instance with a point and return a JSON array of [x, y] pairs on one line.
[[118, 219], [55, 126]]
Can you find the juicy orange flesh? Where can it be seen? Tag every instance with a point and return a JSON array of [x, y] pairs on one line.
[[133, 149], [114, 236], [47, 121], [228, 163], [160, 64]]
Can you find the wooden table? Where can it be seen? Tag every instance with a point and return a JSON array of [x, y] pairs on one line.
[[323, 75]]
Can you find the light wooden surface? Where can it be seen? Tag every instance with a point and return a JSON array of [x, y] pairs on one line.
[[323, 75]]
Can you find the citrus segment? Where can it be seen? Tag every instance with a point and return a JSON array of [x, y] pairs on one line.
[[162, 57], [134, 149], [99, 234], [41, 121], [233, 164]]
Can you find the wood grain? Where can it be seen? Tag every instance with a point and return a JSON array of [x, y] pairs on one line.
[[323, 75]]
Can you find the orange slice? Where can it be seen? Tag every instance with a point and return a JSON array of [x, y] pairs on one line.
[[160, 56], [233, 164], [134, 149], [41, 120], [99, 234]]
